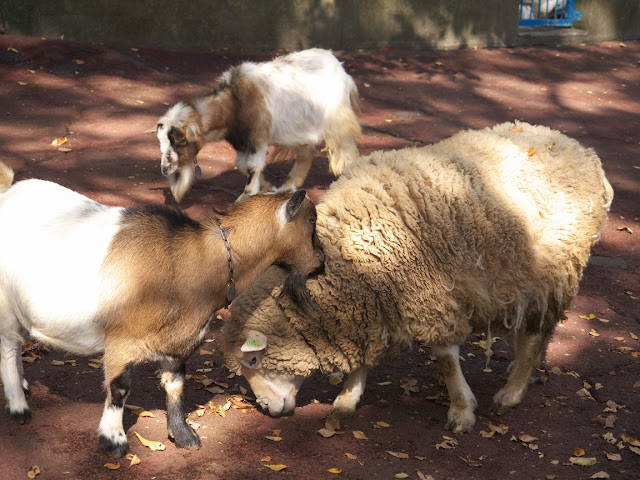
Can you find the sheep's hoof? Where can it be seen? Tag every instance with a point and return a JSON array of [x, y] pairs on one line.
[[22, 417], [187, 439], [460, 423], [500, 408], [112, 448]]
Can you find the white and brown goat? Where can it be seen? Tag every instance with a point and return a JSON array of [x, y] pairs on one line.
[[137, 283], [294, 102]]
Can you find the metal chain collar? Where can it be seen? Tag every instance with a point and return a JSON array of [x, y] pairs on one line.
[[231, 285]]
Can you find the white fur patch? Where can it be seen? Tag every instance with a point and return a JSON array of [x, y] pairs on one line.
[[52, 247], [111, 425]]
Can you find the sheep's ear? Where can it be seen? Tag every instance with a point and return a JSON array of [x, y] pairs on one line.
[[252, 359], [294, 203], [192, 133], [255, 342]]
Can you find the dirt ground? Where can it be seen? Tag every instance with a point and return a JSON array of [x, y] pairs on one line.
[[104, 99]]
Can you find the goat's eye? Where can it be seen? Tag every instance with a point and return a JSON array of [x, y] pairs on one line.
[[312, 220]]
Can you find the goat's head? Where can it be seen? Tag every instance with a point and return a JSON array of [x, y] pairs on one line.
[[298, 249], [180, 136]]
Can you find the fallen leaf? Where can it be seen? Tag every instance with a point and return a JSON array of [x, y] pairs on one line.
[[335, 378], [382, 424], [502, 429], [615, 457], [151, 444], [527, 438], [77, 61], [95, 365], [202, 351], [591, 316], [625, 229], [633, 335], [584, 393], [471, 462], [578, 452], [635, 450], [334, 470], [418, 457], [273, 438], [33, 471], [600, 474], [57, 363], [350, 456], [59, 141], [401, 475], [276, 468], [422, 476], [360, 435], [133, 458], [142, 413], [64, 150], [265, 459], [631, 440], [583, 461], [22, 83], [112, 466], [397, 454], [384, 384], [447, 444], [326, 433]]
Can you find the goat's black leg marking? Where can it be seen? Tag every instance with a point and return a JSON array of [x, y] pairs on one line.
[[179, 431], [247, 186], [113, 440]]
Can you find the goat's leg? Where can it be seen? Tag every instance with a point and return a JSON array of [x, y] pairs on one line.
[[12, 375], [460, 417], [113, 439], [300, 169], [173, 382], [344, 406], [528, 349], [252, 165]]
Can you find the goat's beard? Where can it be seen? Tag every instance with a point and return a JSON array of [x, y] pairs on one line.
[[295, 287]]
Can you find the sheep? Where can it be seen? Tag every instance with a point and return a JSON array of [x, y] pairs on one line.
[[137, 283], [295, 102], [487, 231]]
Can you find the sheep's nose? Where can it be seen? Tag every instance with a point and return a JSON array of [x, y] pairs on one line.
[[165, 170]]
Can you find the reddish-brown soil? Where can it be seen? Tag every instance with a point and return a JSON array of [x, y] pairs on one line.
[[104, 99]]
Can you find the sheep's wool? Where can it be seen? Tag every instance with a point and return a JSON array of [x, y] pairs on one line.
[[486, 230]]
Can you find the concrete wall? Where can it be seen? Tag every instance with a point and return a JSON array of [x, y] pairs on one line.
[[295, 24]]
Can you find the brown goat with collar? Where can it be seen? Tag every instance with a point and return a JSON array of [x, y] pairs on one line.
[[138, 283]]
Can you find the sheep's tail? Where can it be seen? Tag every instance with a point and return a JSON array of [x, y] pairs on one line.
[[341, 130], [6, 176]]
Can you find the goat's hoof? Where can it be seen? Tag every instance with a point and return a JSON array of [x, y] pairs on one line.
[[112, 448], [22, 417], [187, 439]]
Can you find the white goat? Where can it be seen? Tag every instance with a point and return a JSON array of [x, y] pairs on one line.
[[139, 283], [294, 102]]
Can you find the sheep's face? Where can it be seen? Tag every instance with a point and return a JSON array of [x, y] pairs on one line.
[[178, 147], [275, 391]]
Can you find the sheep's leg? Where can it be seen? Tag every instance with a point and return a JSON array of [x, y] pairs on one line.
[[344, 406], [460, 417], [113, 440], [173, 382], [528, 353], [301, 166], [252, 165], [12, 374]]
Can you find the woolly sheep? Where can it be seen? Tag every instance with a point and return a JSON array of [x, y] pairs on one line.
[[487, 231]]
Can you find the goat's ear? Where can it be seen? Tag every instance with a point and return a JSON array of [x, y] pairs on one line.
[[192, 133], [159, 126], [255, 341], [294, 203]]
